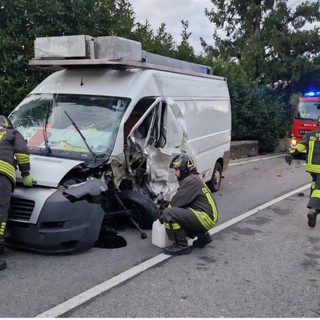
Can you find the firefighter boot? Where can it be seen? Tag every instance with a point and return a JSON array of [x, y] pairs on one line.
[[203, 240], [312, 217], [180, 246]]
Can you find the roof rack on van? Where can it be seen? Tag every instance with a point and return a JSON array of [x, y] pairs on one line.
[[56, 53]]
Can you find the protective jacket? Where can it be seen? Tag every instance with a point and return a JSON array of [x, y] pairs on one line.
[[13, 145], [192, 202], [311, 142], [193, 194]]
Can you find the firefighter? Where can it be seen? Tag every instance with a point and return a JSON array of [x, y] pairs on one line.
[[13, 149], [311, 142], [192, 211]]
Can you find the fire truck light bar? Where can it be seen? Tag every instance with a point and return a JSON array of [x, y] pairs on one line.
[[312, 94]]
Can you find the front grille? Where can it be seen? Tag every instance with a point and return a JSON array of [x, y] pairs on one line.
[[21, 209]]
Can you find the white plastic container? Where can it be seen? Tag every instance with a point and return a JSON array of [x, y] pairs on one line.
[[159, 235]]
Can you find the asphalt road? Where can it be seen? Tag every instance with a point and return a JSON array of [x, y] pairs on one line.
[[263, 262]]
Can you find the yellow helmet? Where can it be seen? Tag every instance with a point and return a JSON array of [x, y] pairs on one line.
[[5, 122], [184, 163]]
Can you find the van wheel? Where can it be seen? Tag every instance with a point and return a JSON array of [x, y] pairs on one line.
[[215, 182], [143, 209]]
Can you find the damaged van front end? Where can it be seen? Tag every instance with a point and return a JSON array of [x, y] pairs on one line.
[[70, 139], [56, 220], [101, 133]]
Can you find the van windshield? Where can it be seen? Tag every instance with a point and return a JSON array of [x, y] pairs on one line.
[[308, 110], [80, 127]]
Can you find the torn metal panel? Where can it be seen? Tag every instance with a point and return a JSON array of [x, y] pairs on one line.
[[175, 126], [86, 190], [162, 181], [118, 167], [157, 136]]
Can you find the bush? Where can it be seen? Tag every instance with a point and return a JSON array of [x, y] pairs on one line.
[[257, 112], [258, 115]]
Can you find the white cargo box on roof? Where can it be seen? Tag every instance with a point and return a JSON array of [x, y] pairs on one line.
[[79, 47], [61, 47], [71, 51]]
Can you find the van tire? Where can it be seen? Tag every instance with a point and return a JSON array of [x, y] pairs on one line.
[[146, 210], [215, 182]]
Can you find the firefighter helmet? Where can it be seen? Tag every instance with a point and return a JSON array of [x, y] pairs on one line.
[[184, 163], [5, 122]]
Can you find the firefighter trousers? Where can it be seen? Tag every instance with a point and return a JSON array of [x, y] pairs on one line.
[[181, 223], [5, 195], [314, 200]]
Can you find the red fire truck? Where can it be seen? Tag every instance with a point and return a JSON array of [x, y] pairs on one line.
[[305, 116]]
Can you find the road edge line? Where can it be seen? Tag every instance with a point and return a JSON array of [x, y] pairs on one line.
[[89, 294], [253, 159]]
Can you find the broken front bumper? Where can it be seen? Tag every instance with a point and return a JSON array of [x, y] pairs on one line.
[[44, 220]]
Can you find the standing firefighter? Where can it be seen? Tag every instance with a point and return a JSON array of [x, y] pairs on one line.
[[13, 149], [192, 210], [311, 142]]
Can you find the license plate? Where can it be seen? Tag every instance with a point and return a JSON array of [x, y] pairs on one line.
[[303, 132]]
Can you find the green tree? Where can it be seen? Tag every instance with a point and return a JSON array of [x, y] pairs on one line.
[[265, 42], [21, 21], [163, 42], [268, 39], [257, 114], [160, 43], [144, 34], [184, 50], [122, 23]]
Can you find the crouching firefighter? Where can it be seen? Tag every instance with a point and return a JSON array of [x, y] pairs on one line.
[[192, 211], [13, 149], [311, 142]]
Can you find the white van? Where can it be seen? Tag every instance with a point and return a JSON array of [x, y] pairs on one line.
[[101, 133]]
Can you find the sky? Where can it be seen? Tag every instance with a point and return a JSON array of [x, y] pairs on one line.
[[171, 12]]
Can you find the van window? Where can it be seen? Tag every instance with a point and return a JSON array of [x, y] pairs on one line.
[[141, 107], [57, 125]]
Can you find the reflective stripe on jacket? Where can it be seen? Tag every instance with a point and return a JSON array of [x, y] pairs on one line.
[[311, 142], [193, 194], [13, 145]]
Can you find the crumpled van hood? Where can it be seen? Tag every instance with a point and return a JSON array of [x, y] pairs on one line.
[[49, 171]]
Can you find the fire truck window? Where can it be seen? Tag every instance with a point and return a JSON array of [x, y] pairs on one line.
[[308, 111]]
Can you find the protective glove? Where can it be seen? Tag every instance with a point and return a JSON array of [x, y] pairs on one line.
[[28, 181], [289, 159]]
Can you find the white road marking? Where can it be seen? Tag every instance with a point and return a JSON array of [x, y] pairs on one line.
[[130, 273], [240, 161]]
